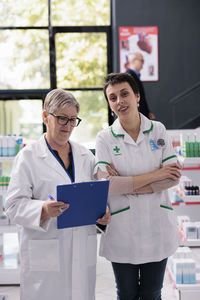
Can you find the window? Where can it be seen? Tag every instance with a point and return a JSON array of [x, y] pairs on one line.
[[18, 13], [81, 59], [21, 117], [94, 115], [50, 44], [24, 59], [81, 12]]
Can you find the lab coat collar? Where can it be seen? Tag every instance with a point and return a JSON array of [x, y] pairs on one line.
[[118, 131], [146, 124], [41, 147], [43, 152], [78, 149]]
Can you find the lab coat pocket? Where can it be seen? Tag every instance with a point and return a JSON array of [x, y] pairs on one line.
[[166, 205], [44, 255], [92, 250], [166, 214]]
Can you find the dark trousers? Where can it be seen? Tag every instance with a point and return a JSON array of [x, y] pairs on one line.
[[142, 281]]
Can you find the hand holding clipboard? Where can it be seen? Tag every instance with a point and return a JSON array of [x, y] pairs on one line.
[[88, 201]]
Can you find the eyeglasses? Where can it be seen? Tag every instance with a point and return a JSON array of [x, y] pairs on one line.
[[74, 122]]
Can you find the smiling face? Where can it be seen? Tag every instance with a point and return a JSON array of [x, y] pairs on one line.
[[122, 100], [58, 135]]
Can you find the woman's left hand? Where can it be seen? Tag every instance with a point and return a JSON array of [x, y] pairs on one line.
[[105, 220]]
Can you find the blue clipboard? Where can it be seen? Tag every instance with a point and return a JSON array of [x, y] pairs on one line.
[[88, 201]]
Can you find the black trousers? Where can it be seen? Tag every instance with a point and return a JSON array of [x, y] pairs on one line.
[[142, 281]]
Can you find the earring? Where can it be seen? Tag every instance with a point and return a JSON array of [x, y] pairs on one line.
[[112, 113], [138, 104]]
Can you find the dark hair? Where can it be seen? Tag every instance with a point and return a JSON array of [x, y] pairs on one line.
[[116, 78]]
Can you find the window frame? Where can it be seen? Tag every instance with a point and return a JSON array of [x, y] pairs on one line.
[[19, 94]]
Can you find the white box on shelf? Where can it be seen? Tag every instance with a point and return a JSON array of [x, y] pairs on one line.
[[190, 230], [192, 199]]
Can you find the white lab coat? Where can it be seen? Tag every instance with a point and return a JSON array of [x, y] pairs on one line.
[[55, 264], [146, 232]]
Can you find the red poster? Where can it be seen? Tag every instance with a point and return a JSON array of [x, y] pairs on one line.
[[143, 39]]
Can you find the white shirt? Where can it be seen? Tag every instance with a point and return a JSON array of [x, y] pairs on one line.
[[146, 232]]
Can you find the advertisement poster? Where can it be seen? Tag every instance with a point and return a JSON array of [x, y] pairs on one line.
[[143, 39]]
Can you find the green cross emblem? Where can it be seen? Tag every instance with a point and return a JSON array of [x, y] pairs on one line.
[[116, 149]]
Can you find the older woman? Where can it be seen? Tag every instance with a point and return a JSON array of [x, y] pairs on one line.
[[55, 264], [142, 232]]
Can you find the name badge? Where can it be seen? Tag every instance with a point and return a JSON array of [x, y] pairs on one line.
[[157, 145]]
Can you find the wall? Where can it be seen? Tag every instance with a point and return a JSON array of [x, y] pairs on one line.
[[178, 24]]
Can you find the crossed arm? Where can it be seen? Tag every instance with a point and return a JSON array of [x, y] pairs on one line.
[[152, 182]]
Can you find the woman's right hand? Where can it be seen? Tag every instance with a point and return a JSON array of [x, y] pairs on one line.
[[53, 208], [170, 171], [111, 170]]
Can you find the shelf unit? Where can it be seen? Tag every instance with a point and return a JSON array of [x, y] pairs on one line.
[[9, 276], [8, 229], [9, 267], [191, 243], [185, 291], [190, 160], [191, 204], [191, 168], [189, 163], [192, 199], [191, 207], [187, 242], [6, 158], [188, 200]]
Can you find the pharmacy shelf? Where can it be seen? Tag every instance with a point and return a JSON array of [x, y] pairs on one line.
[[195, 286], [188, 200], [183, 203], [185, 291], [187, 242], [9, 271], [9, 276], [6, 158], [191, 160], [190, 163], [192, 243], [8, 228], [192, 199], [190, 209], [9, 267]]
